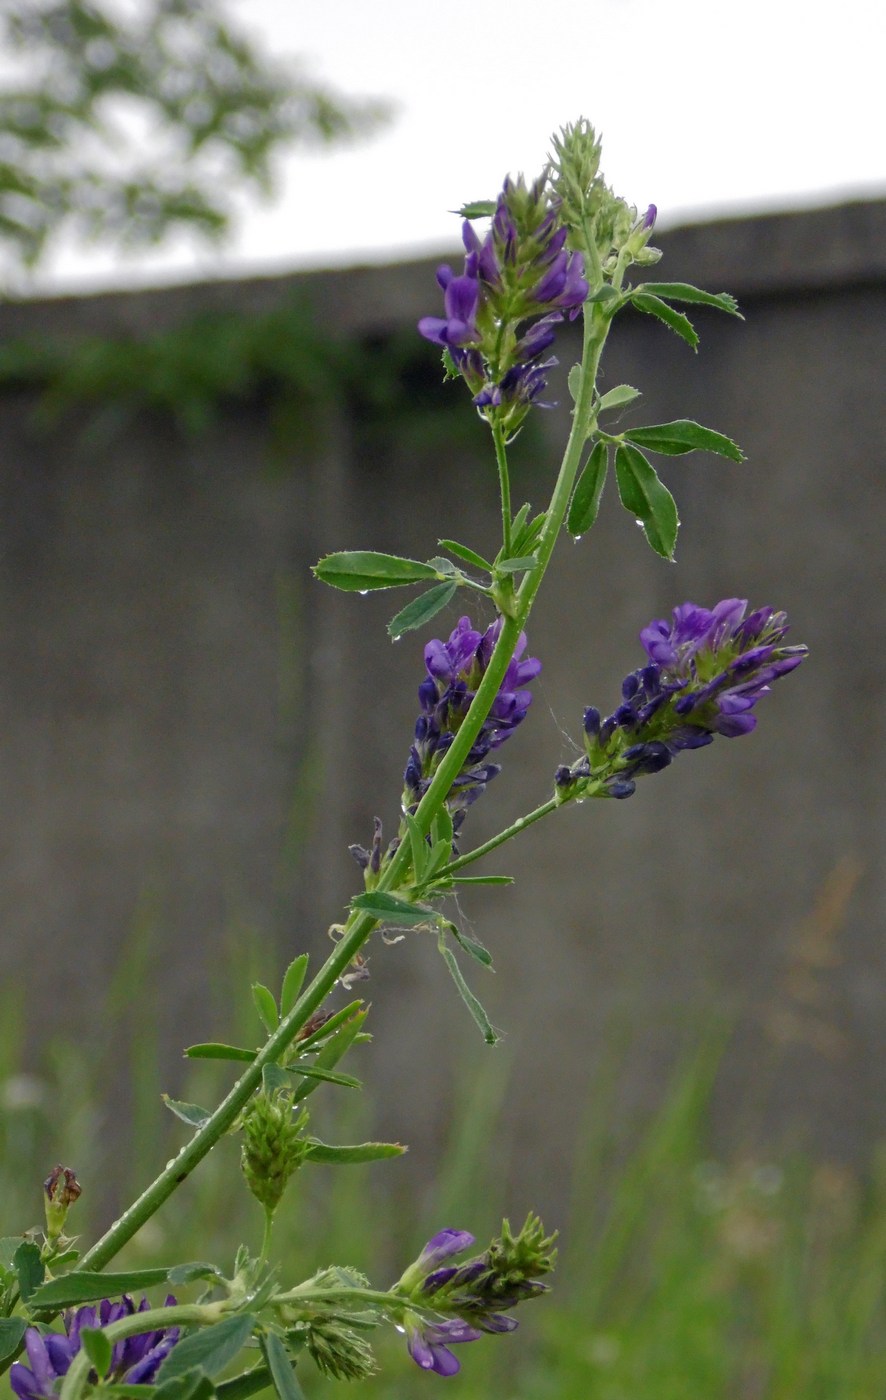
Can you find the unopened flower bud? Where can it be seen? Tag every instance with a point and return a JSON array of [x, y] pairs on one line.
[[273, 1146], [338, 1351]]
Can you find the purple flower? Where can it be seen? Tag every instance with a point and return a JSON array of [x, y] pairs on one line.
[[429, 1343], [455, 669], [519, 272], [707, 669], [467, 1299], [135, 1359]]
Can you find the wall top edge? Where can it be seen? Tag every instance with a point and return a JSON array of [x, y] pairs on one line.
[[767, 255]]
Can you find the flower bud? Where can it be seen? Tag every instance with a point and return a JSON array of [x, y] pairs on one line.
[[273, 1146]]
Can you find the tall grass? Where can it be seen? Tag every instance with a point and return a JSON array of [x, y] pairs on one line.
[[681, 1277]]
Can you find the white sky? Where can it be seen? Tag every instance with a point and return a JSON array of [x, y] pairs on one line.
[[706, 107]]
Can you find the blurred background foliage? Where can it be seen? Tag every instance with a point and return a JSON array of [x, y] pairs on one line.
[[680, 1273], [127, 125]]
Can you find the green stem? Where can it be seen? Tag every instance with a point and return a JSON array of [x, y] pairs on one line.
[[359, 926], [513, 830], [305, 1295], [182, 1314], [504, 482], [266, 1236]]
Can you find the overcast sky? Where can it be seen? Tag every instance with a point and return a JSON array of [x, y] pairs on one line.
[[706, 107]]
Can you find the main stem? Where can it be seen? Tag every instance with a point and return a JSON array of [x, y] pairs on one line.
[[359, 926]]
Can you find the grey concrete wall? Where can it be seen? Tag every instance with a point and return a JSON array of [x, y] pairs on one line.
[[186, 714]]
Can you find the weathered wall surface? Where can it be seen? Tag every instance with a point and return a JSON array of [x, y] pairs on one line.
[[171, 678]]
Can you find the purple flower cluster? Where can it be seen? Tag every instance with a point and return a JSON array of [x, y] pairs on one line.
[[520, 271], [707, 669], [455, 669], [135, 1359], [475, 1292]]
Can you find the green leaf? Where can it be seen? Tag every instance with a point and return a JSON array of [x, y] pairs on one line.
[[441, 827], [684, 435], [618, 397], [472, 946], [482, 879], [215, 1050], [281, 1367], [422, 609], [573, 382], [477, 209], [189, 1273], [675, 320], [210, 1348], [358, 571], [346, 1156], [334, 1050], [647, 499], [189, 1113], [585, 501], [516, 566], [419, 848], [29, 1269], [682, 291], [525, 538], [490, 1034], [347, 1081], [97, 1348], [266, 1007], [439, 854], [293, 978], [462, 552], [85, 1287], [390, 909], [193, 1385], [12, 1329]]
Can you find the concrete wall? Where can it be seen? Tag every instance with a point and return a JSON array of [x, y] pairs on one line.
[[188, 718]]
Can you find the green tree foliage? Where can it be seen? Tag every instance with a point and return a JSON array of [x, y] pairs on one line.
[[125, 126]]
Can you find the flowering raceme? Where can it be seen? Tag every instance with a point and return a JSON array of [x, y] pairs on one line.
[[468, 1298], [707, 669], [135, 1360], [455, 669], [521, 271]]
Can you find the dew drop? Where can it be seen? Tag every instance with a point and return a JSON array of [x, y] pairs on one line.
[[364, 591], [398, 638], [519, 822], [577, 538]]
